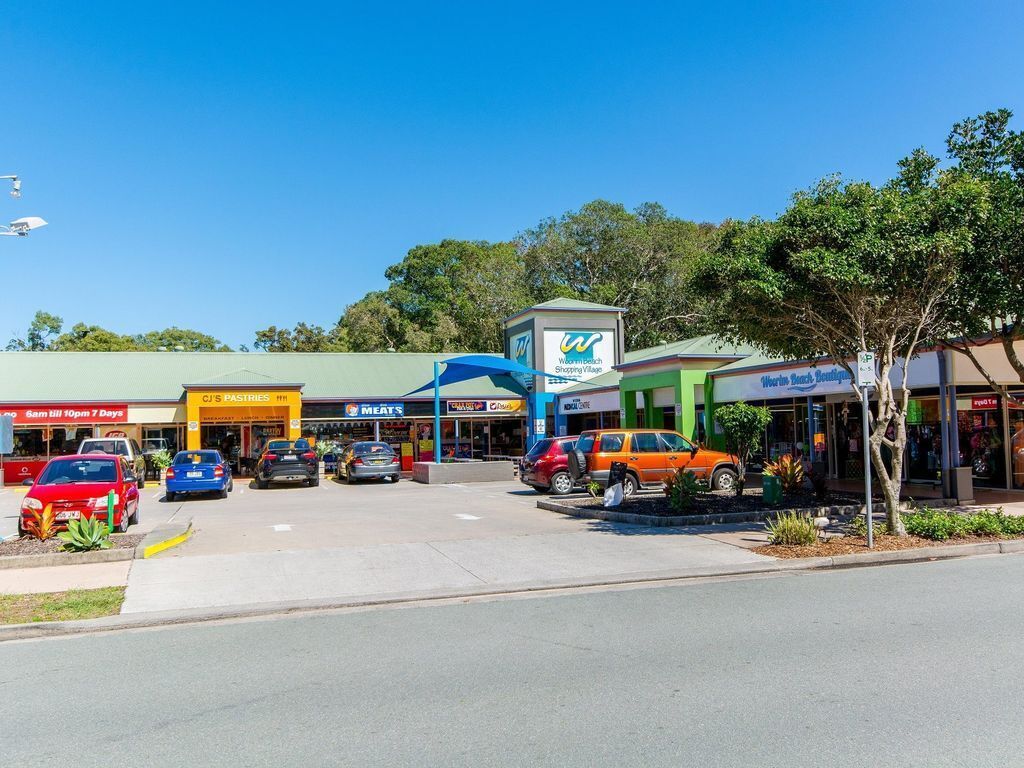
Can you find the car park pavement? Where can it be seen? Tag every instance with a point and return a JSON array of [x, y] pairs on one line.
[[381, 540]]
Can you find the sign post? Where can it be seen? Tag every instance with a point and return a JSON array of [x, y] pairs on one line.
[[865, 382]]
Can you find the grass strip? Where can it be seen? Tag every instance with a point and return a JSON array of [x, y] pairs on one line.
[[61, 606]]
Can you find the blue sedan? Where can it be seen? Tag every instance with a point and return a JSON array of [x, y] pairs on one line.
[[198, 472]]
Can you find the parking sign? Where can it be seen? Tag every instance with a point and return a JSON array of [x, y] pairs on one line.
[[865, 369]]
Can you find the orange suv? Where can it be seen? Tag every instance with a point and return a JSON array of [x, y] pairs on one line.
[[650, 455]]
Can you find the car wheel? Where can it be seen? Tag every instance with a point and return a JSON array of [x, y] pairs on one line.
[[122, 527], [261, 484], [349, 480], [134, 519], [629, 486], [314, 482], [142, 481], [395, 478], [561, 483], [231, 485], [223, 493], [723, 480], [169, 496]]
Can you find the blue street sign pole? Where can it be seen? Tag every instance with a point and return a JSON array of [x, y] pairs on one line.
[[437, 412]]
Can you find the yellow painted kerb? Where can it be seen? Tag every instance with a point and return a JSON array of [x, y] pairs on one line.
[[154, 549]]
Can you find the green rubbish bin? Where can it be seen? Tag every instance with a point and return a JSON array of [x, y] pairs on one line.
[[772, 489]]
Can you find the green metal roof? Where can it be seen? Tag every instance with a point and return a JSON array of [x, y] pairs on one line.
[[707, 346], [243, 377], [70, 377], [756, 360], [567, 305]]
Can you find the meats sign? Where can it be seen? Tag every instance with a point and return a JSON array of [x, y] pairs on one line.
[[104, 413]]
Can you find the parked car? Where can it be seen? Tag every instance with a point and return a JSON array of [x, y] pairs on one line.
[[650, 455], [287, 461], [76, 486], [546, 466], [118, 446], [369, 460], [198, 472]]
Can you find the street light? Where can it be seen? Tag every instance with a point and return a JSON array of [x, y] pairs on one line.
[[20, 227], [15, 185]]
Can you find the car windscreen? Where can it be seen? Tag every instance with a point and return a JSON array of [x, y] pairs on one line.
[[361, 449], [198, 457], [113, 447], [539, 448], [586, 442], [78, 471]]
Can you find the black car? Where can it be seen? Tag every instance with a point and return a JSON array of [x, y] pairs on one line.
[[369, 459], [287, 461]]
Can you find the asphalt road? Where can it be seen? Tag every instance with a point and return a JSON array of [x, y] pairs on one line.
[[913, 665]]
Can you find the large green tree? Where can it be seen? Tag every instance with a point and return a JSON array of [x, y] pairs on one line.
[[41, 331], [303, 338], [989, 292], [46, 333], [642, 260], [852, 267]]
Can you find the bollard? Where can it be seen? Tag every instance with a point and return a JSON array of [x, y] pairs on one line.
[[110, 511]]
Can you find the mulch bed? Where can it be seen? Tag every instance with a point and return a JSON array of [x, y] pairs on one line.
[[715, 502], [858, 545], [27, 546]]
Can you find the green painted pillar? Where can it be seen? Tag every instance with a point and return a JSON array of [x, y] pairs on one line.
[[649, 410], [686, 419], [627, 404]]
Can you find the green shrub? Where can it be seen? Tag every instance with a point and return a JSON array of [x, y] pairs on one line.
[[944, 524], [682, 489], [859, 527], [791, 528], [161, 459], [789, 470], [594, 488], [85, 535]]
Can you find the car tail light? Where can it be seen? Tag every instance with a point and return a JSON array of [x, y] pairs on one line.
[[309, 455], [357, 460], [218, 471], [170, 474], [267, 457]]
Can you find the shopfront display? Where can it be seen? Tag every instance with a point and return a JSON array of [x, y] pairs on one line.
[[1017, 445], [981, 437]]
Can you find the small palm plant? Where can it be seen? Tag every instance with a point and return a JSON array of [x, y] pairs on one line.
[[789, 470]]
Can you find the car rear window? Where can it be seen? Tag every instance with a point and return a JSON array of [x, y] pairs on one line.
[[585, 442], [78, 471], [361, 449], [279, 445], [113, 447], [612, 443], [198, 457], [539, 448]]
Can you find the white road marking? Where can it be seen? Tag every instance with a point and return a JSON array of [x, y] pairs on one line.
[[281, 527], [467, 517]]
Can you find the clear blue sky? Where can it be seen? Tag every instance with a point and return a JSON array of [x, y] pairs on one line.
[[232, 166]]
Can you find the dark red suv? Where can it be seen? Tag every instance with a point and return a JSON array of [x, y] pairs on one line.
[[546, 467]]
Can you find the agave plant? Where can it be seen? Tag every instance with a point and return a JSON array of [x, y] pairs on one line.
[[789, 470], [43, 525], [85, 535]]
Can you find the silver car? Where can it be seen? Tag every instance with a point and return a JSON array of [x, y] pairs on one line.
[[369, 460]]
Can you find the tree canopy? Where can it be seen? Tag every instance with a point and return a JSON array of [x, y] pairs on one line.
[[45, 332], [850, 267]]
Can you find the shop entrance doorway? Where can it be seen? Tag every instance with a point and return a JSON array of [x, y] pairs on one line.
[[226, 438]]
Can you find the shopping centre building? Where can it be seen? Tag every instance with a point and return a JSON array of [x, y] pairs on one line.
[[235, 401]]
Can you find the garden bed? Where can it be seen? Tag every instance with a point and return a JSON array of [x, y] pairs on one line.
[[722, 503], [858, 545], [29, 546]]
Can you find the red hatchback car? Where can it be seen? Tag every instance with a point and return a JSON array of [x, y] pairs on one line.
[[546, 466], [77, 486]]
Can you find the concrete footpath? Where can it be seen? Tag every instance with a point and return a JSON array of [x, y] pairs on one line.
[[20, 581], [347, 573]]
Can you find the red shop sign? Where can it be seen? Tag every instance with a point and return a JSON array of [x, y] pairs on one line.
[[92, 413], [984, 402]]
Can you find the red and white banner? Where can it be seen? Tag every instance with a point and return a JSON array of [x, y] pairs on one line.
[[92, 413]]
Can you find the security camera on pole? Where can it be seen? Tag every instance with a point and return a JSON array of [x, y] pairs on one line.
[[20, 227], [865, 382]]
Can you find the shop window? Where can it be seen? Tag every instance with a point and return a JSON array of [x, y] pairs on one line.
[[981, 442], [1017, 446], [29, 442], [924, 441]]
